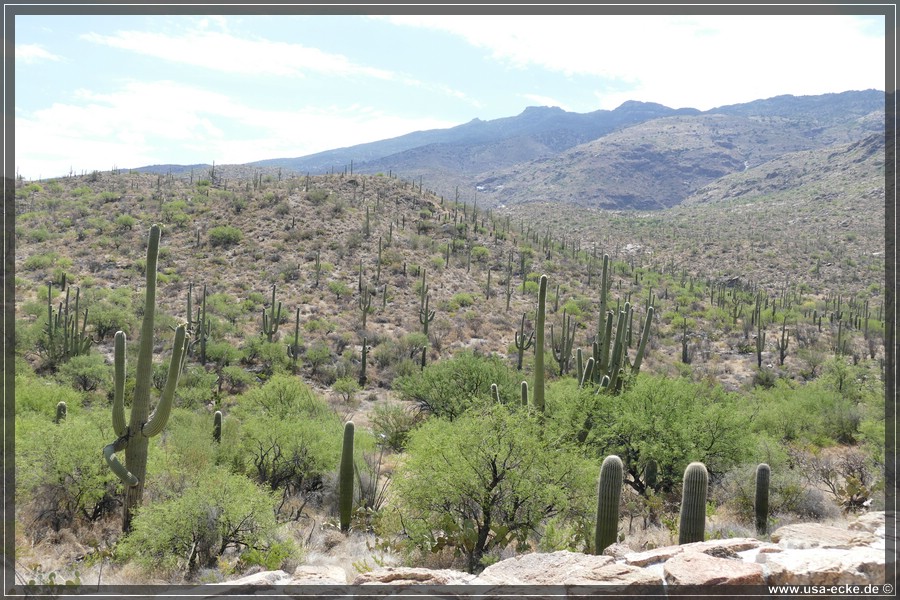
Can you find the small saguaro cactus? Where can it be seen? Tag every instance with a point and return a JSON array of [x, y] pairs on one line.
[[425, 316], [609, 492], [761, 503], [134, 437], [345, 478], [294, 350], [61, 411], [692, 522], [495, 393], [217, 426], [524, 394]]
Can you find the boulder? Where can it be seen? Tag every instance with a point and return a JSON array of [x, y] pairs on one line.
[[564, 568], [322, 574], [815, 535], [412, 576], [825, 566], [698, 568]]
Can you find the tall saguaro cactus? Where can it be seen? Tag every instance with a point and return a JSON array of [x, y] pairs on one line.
[[761, 502], [134, 437], [609, 492], [540, 319], [692, 522], [345, 478]]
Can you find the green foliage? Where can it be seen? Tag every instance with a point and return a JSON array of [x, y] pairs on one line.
[[225, 236], [449, 387], [289, 437], [86, 373], [486, 480], [190, 531], [671, 421], [34, 395], [393, 423], [346, 387], [60, 481]]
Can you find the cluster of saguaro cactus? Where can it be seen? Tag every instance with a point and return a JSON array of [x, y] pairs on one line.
[[609, 492], [64, 338], [345, 478], [271, 320], [134, 436], [562, 347], [692, 521]]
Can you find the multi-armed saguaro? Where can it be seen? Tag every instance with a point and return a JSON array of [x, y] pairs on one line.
[[134, 437]]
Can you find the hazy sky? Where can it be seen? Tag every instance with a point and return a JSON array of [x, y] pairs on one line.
[[94, 92]]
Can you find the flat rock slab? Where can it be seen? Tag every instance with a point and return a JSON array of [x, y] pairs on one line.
[[412, 576], [316, 575], [870, 522], [697, 568], [658, 555], [814, 535], [565, 568], [825, 566]]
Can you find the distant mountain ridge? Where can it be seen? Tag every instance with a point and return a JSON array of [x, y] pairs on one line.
[[640, 155]]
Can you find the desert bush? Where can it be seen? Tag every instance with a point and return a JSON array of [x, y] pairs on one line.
[[486, 481], [60, 480], [190, 531], [86, 372], [449, 387], [224, 235], [394, 422]]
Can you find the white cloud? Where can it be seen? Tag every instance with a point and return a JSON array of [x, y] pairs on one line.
[[227, 53], [165, 122], [699, 61], [34, 53]]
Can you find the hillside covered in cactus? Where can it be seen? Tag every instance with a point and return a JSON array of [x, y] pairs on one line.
[[350, 368]]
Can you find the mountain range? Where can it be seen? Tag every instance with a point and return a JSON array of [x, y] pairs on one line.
[[640, 155]]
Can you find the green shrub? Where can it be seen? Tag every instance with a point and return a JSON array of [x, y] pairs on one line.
[[485, 481], [225, 236], [86, 372], [449, 387], [393, 423], [190, 531], [60, 481]]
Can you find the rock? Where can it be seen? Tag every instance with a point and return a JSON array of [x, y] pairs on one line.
[[617, 551], [412, 576], [814, 535], [263, 578], [870, 522], [825, 566], [650, 557], [310, 574], [698, 568], [564, 568]]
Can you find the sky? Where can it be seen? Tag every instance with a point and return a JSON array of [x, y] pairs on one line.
[[117, 91]]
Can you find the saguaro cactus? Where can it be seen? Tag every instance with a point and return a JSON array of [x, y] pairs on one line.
[[61, 411], [345, 478], [523, 343], [217, 426], [609, 491], [272, 319], [692, 522], [761, 503], [540, 318], [134, 437]]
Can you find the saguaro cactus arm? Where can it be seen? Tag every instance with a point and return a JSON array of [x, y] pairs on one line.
[[164, 408]]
